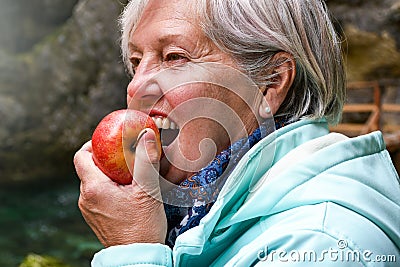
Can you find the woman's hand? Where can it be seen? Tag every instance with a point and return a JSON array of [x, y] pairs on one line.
[[123, 214]]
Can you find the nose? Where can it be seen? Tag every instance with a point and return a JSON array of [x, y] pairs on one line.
[[143, 89]]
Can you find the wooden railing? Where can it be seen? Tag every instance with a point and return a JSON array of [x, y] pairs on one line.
[[374, 122]]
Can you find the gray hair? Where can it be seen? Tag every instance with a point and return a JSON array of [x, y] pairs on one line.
[[253, 31]]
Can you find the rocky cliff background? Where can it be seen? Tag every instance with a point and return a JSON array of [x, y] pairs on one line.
[[61, 72]]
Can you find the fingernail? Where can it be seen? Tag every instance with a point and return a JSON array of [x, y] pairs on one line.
[[151, 147], [150, 138], [143, 132], [140, 135]]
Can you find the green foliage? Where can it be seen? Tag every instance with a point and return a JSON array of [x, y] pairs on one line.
[[34, 260], [43, 218]]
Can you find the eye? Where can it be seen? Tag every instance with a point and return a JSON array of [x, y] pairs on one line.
[[134, 63], [175, 58]]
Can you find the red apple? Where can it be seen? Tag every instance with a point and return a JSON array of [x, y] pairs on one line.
[[113, 143]]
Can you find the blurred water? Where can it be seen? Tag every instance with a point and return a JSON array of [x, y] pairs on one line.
[[44, 219]]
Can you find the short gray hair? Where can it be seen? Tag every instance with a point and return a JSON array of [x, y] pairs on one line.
[[129, 17], [253, 31]]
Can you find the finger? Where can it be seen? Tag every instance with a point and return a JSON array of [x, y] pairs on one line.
[[87, 146], [146, 168], [85, 166]]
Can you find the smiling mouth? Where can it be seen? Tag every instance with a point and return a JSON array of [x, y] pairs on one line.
[[169, 130]]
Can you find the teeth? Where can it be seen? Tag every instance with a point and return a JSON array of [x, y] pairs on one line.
[[164, 123], [158, 122]]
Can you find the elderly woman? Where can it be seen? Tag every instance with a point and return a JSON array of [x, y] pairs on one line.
[[294, 195]]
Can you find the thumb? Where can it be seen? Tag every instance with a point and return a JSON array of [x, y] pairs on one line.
[[146, 168]]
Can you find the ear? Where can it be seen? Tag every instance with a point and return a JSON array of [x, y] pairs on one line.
[[275, 93]]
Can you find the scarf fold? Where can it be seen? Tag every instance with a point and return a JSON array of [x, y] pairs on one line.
[[203, 188]]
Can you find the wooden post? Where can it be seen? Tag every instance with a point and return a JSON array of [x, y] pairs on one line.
[[377, 102]]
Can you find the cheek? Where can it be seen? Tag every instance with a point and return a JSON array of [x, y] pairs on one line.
[[195, 100], [198, 143], [180, 95], [202, 135], [224, 109]]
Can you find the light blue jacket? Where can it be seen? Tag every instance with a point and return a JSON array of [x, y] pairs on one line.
[[327, 200]]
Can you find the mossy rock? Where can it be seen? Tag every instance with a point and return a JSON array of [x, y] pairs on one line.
[[34, 260]]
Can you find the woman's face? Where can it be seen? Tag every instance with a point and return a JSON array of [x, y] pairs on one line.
[[167, 36]]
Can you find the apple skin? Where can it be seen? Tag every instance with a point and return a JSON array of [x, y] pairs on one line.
[[113, 140]]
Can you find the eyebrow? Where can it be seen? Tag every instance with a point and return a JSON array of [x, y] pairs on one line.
[[167, 38]]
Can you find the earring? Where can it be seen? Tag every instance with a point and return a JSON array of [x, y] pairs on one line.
[[265, 112]]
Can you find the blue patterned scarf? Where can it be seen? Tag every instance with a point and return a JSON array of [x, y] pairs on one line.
[[181, 219]]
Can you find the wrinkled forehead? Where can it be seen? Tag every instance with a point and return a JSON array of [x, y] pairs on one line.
[[142, 10], [148, 11]]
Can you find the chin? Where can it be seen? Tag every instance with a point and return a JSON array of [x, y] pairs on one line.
[[171, 173]]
